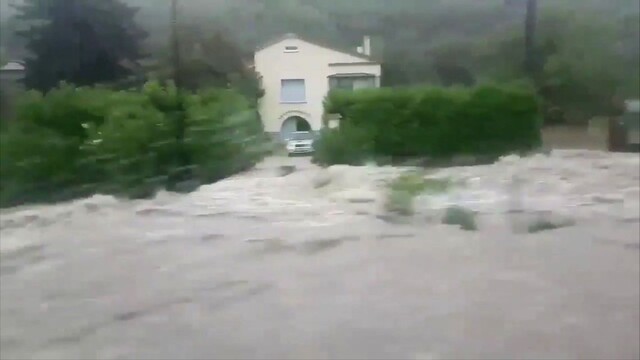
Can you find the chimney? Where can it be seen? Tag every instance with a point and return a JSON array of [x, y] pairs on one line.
[[366, 46]]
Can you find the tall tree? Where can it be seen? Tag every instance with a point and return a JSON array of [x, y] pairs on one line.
[[209, 61], [82, 42]]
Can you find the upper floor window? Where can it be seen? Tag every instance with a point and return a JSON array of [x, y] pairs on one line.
[[292, 91], [352, 83], [290, 49]]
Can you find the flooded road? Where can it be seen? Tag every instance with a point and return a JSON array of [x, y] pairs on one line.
[[309, 266]]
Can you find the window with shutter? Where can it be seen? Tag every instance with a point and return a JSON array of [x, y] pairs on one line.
[[292, 91]]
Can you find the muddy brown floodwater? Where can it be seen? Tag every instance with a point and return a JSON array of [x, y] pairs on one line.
[[309, 266]]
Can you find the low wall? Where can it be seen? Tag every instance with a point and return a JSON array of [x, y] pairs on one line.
[[592, 137]]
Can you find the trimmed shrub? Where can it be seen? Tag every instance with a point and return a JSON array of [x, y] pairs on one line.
[[439, 123], [347, 145]]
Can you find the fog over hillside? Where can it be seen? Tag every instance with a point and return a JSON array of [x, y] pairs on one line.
[[485, 37]]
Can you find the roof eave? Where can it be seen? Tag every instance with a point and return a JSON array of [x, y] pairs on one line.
[[365, 58], [359, 74], [355, 63]]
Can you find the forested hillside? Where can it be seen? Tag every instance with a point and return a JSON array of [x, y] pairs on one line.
[[587, 50]]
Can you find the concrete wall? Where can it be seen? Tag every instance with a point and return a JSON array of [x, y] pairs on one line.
[[313, 64]]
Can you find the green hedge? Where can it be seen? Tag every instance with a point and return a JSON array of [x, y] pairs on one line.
[[432, 122], [349, 146], [75, 142]]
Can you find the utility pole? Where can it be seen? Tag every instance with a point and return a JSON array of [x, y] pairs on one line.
[[175, 44], [182, 159], [528, 8], [531, 56]]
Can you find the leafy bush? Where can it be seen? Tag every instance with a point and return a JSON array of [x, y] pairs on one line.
[[224, 134], [134, 149], [41, 157], [433, 122], [164, 98], [77, 141], [35, 164], [67, 110]]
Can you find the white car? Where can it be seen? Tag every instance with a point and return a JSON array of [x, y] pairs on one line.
[[300, 142]]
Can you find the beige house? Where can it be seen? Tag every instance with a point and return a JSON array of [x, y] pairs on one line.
[[297, 74]]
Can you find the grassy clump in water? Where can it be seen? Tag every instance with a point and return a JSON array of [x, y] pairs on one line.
[[541, 224], [400, 202], [415, 183], [457, 215], [404, 189]]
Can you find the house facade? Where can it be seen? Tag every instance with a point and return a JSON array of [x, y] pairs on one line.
[[297, 74]]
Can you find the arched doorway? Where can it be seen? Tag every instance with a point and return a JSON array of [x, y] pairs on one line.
[[293, 124]]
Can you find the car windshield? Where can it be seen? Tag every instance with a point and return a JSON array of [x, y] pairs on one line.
[[301, 136]]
